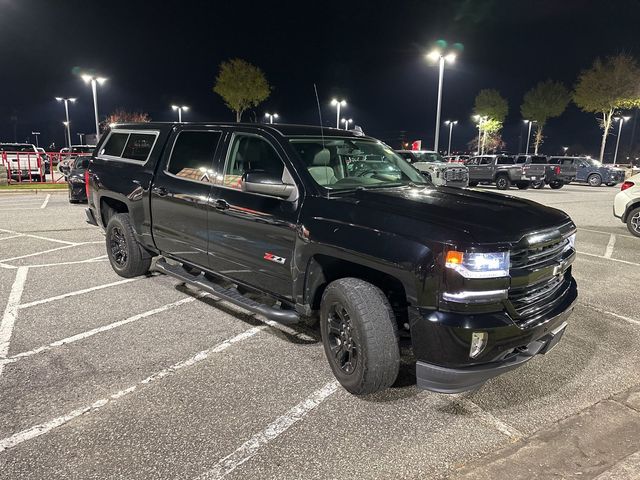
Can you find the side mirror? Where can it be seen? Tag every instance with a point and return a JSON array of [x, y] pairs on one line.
[[267, 184]]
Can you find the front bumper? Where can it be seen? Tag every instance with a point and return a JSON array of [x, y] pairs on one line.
[[441, 342]]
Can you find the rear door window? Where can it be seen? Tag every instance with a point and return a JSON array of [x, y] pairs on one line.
[[505, 161], [486, 161], [193, 154]]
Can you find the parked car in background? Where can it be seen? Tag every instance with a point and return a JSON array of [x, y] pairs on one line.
[[76, 180], [23, 161], [46, 161], [434, 167], [503, 171], [626, 204], [458, 158], [557, 172], [69, 155], [593, 172]]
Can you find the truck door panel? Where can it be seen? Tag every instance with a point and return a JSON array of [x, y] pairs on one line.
[[181, 193]]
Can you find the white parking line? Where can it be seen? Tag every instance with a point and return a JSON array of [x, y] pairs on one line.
[[46, 201], [272, 431], [11, 311], [10, 236], [37, 236], [610, 246], [46, 427], [488, 418], [37, 253], [90, 260], [611, 259], [94, 331], [617, 315], [606, 233], [77, 292]]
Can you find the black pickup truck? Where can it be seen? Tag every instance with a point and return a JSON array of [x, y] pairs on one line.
[[335, 226]]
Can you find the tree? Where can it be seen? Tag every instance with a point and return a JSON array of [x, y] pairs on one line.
[[492, 108], [241, 86], [606, 87], [489, 103], [120, 115], [546, 100]]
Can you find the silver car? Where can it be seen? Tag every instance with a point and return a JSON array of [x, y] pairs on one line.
[[433, 166]]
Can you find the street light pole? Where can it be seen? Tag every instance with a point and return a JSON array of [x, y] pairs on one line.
[[180, 109], [271, 116], [346, 122], [621, 120], [94, 90], [437, 55], [451, 124], [66, 101], [81, 139], [338, 103], [36, 135], [530, 122]]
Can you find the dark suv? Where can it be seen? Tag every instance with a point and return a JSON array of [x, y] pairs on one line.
[[332, 226]]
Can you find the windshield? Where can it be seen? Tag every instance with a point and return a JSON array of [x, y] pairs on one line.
[[16, 148], [428, 157], [593, 162], [81, 149], [347, 163]]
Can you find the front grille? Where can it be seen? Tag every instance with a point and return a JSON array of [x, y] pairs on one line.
[[531, 302], [455, 174], [534, 255]]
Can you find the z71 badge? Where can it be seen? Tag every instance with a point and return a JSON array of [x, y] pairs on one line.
[[274, 258]]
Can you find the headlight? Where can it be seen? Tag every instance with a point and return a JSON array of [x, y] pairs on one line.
[[479, 264]]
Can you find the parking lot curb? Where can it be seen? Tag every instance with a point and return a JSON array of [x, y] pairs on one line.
[[596, 442], [33, 190]]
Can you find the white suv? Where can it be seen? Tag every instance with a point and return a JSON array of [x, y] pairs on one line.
[[626, 205]]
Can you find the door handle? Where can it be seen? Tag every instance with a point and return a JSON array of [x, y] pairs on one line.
[[221, 204], [160, 191]]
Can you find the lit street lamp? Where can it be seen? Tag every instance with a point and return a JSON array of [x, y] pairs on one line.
[[437, 55], [180, 109], [451, 124], [66, 112], [94, 89], [36, 135], [480, 120], [271, 116], [338, 103], [346, 122], [565, 150], [621, 120], [530, 122]]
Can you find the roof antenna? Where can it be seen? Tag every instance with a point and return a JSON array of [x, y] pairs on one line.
[[319, 115]]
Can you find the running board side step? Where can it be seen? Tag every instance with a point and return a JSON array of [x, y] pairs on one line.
[[227, 294]]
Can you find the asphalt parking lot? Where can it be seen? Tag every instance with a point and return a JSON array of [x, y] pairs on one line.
[[102, 377]]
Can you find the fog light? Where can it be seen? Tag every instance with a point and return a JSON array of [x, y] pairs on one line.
[[478, 342]]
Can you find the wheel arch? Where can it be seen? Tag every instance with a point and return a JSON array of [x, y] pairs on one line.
[[632, 206]]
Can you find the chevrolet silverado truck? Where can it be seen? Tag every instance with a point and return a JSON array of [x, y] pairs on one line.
[[503, 171], [334, 226], [437, 170]]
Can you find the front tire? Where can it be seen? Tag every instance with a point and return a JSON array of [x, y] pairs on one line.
[[503, 182], [523, 185], [128, 259], [611, 184], [633, 221], [538, 184], [594, 180], [473, 184], [556, 185], [360, 336]]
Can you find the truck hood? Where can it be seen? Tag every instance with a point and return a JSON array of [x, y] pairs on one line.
[[485, 217]]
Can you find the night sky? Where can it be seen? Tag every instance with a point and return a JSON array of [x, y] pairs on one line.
[[158, 53]]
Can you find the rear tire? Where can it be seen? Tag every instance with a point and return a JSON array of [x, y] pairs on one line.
[[633, 221], [360, 336], [523, 185], [128, 259], [473, 184], [556, 185], [538, 184], [611, 184], [503, 182], [594, 180]]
